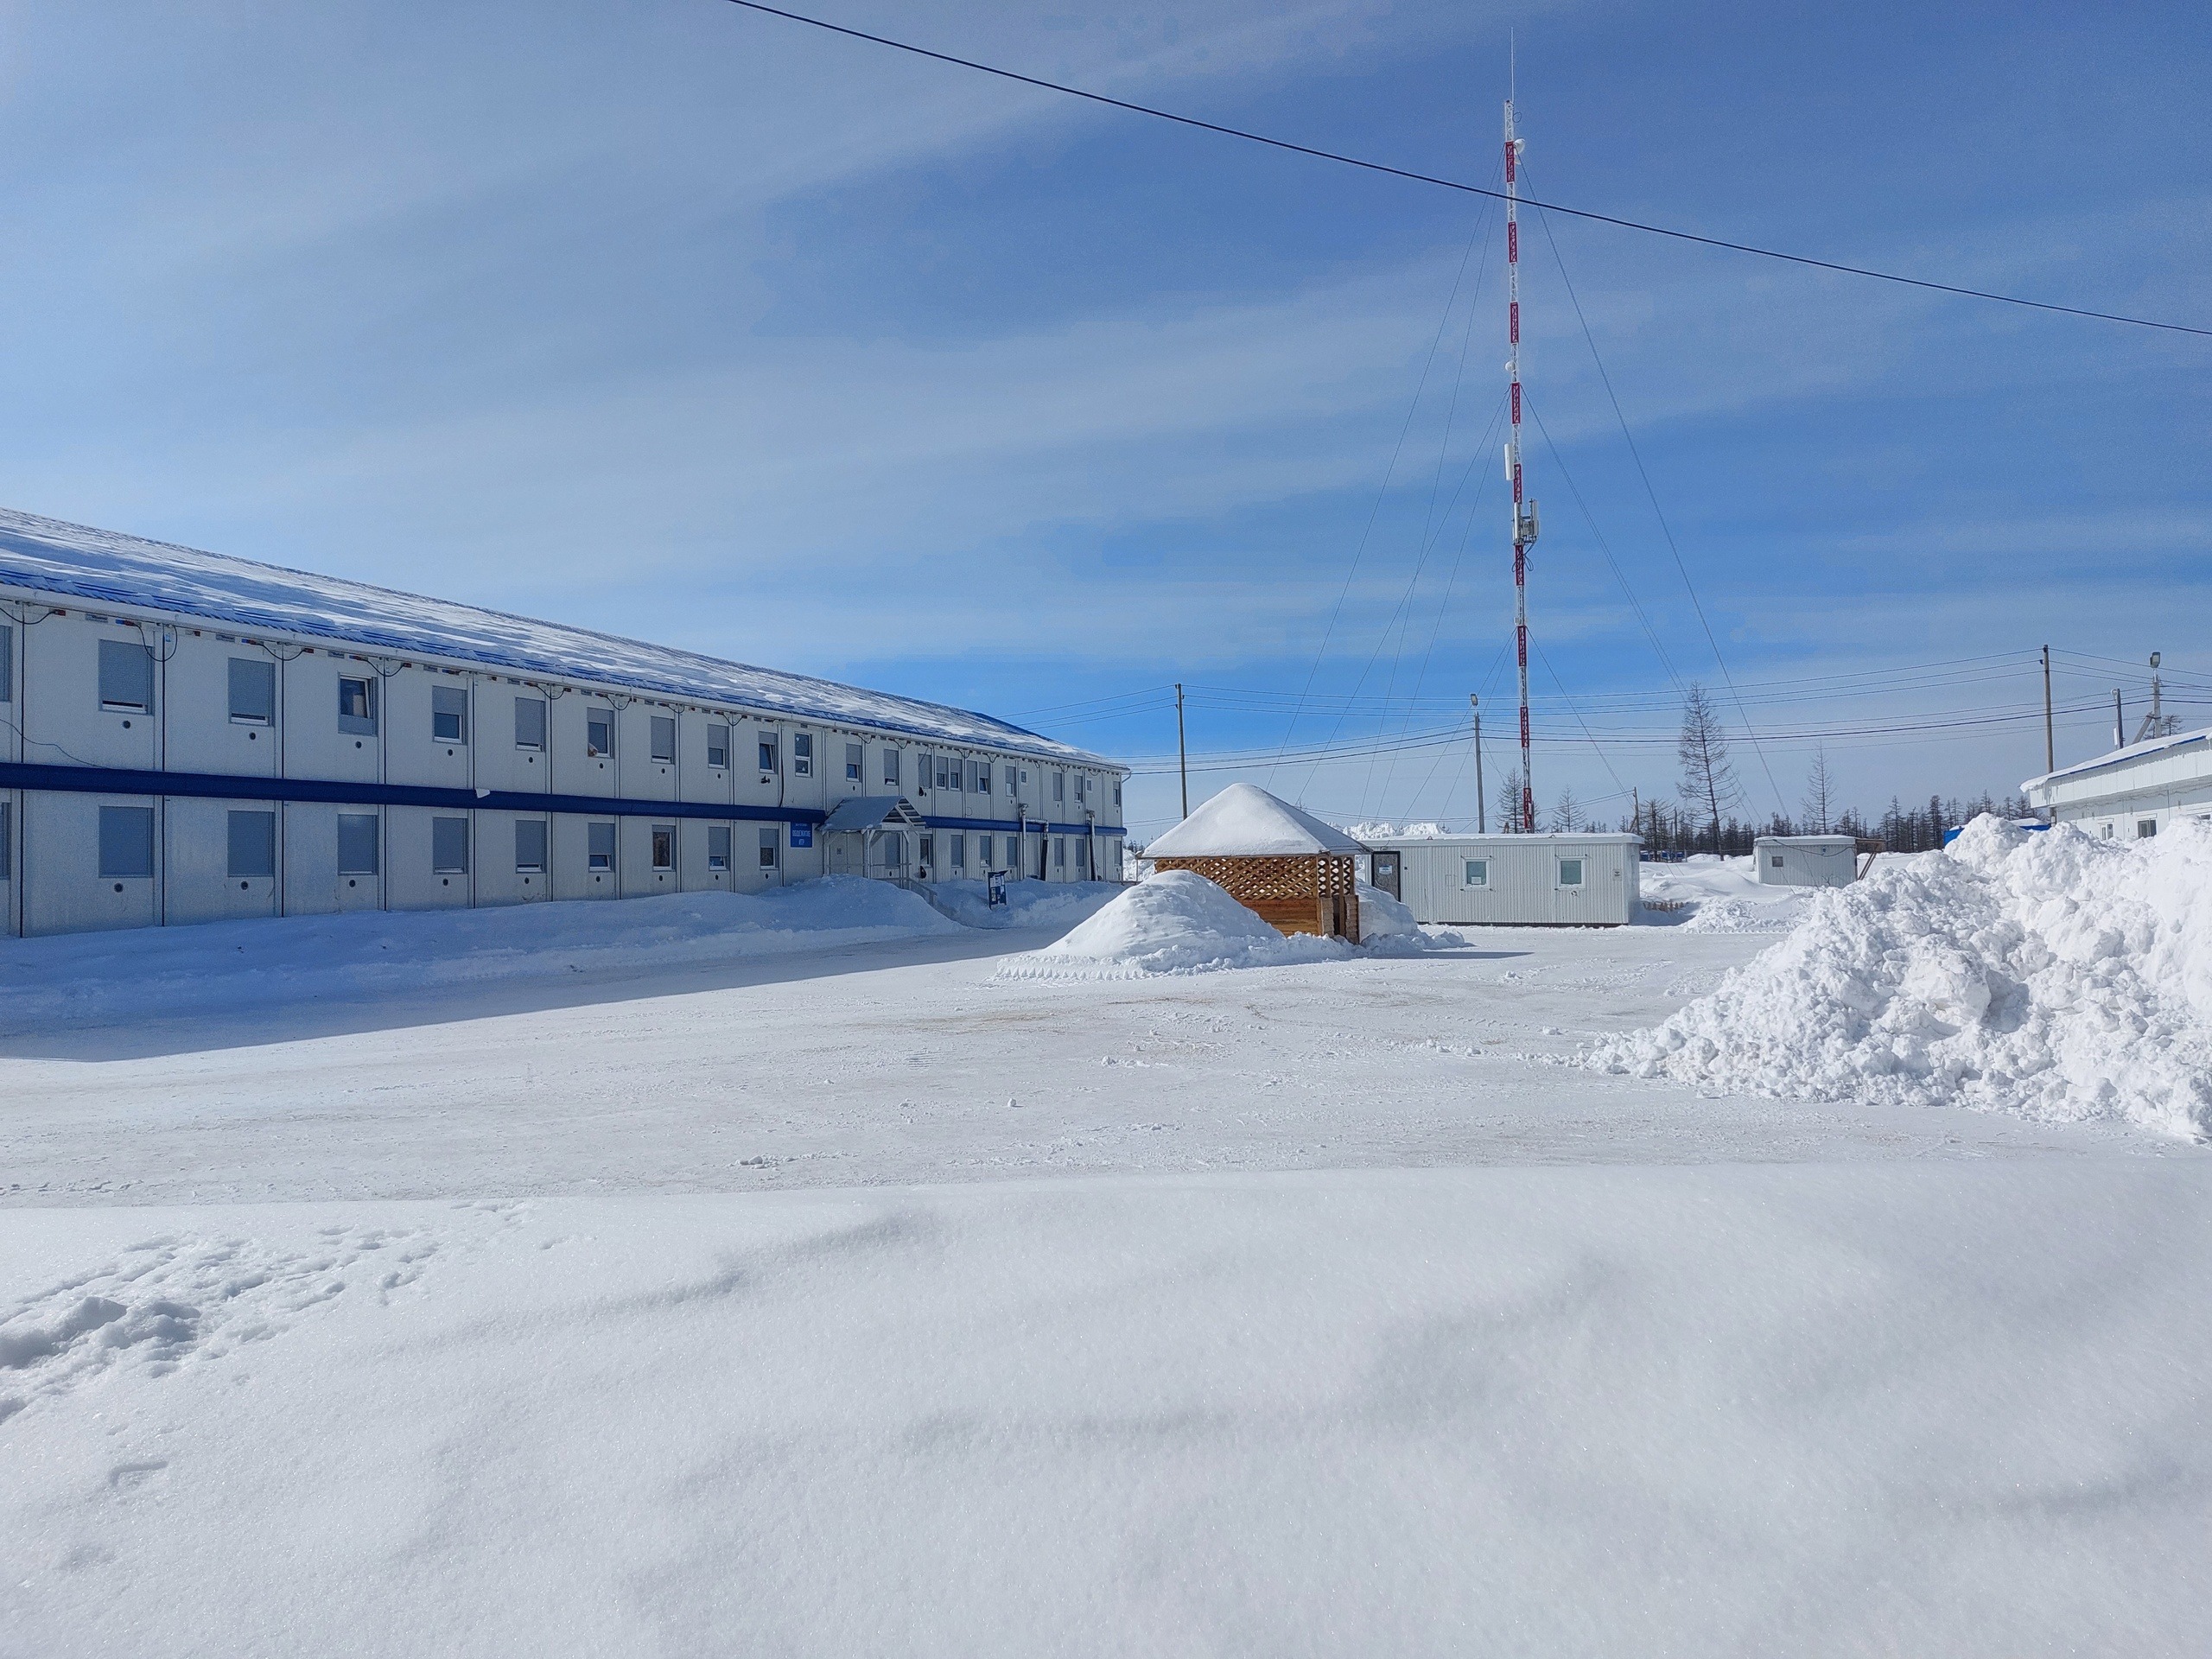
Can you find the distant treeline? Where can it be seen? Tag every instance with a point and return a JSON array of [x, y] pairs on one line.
[[1666, 828]]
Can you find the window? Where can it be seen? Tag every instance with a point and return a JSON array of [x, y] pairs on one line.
[[768, 751], [982, 781], [922, 773], [717, 744], [663, 736], [7, 841], [947, 772], [7, 664], [1478, 872], [853, 761], [449, 846], [982, 852], [802, 754], [2145, 828], [1059, 786], [529, 722], [253, 692], [1060, 852], [718, 846], [768, 844], [1570, 871], [127, 838], [1083, 785], [357, 843], [664, 846], [599, 732], [126, 678], [959, 850], [1117, 792], [893, 774], [357, 706], [599, 846], [448, 715], [1776, 858], [253, 844], [530, 846], [925, 850]]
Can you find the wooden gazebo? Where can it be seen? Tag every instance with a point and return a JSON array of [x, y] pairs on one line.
[[1294, 871]]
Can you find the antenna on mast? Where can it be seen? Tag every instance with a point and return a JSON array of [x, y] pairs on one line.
[[1524, 511]]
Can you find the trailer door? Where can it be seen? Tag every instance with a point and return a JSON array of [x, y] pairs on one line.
[[1386, 873]]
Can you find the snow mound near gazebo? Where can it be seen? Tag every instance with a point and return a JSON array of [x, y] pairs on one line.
[[1173, 923]]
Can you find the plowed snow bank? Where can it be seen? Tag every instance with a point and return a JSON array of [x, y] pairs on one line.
[[2051, 975], [1176, 922]]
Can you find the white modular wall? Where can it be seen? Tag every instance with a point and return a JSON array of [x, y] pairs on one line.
[[309, 717], [1520, 880], [2129, 798], [1805, 860]]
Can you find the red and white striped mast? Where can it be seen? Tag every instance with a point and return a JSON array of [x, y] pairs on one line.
[[1525, 511]]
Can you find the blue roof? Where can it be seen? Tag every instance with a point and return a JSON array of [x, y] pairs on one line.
[[108, 568]]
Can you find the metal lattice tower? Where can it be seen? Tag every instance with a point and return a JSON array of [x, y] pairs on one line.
[[1525, 511]]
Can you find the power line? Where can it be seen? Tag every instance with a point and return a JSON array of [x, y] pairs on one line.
[[1411, 176]]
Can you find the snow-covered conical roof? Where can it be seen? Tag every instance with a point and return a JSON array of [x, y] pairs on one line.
[[1245, 821]]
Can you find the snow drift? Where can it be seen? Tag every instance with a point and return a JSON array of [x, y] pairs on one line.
[[1176, 922], [2052, 975], [80, 976]]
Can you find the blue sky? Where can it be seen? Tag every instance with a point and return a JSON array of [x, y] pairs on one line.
[[705, 328]]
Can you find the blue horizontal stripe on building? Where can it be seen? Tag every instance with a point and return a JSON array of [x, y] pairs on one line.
[[224, 786]]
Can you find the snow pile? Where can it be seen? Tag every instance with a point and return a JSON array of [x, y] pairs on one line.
[[1028, 903], [91, 977], [1388, 928], [1706, 893], [1746, 915], [1384, 831], [1176, 922], [2051, 975], [1244, 821]]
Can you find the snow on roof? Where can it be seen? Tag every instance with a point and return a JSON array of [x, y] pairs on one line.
[[2150, 746], [1244, 821], [110, 567]]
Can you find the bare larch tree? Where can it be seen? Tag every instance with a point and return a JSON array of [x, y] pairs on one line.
[[1708, 780]]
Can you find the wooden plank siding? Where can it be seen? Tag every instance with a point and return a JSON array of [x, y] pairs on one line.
[[1302, 892]]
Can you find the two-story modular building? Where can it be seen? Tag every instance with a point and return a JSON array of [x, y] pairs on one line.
[[187, 737]]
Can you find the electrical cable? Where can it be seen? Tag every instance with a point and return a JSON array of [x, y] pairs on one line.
[[1460, 185]]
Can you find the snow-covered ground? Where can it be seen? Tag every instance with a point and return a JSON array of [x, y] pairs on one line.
[[862, 1298]]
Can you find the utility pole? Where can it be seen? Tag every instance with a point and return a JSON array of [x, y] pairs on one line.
[[2050, 754], [1182, 754], [2119, 722], [1482, 810], [1524, 511]]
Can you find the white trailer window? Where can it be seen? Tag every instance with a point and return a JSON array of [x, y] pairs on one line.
[[663, 736], [7, 841], [802, 754], [357, 843], [252, 844], [1117, 791], [718, 846], [448, 715], [126, 676], [530, 846], [717, 744], [892, 772], [770, 841], [959, 851], [1059, 786], [1060, 852], [2145, 828], [253, 692], [983, 845], [1477, 873], [1776, 858], [449, 846], [664, 846], [853, 759], [7, 664], [983, 782], [357, 706], [529, 722], [1570, 871], [127, 839], [599, 846], [768, 751], [599, 732]]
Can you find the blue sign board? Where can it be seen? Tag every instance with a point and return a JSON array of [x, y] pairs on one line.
[[802, 835]]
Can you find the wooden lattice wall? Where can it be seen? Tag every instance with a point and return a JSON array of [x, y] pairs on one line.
[[1301, 892]]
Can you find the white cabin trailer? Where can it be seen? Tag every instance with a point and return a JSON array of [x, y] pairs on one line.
[[1561, 880], [2131, 793], [186, 737], [1806, 861]]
